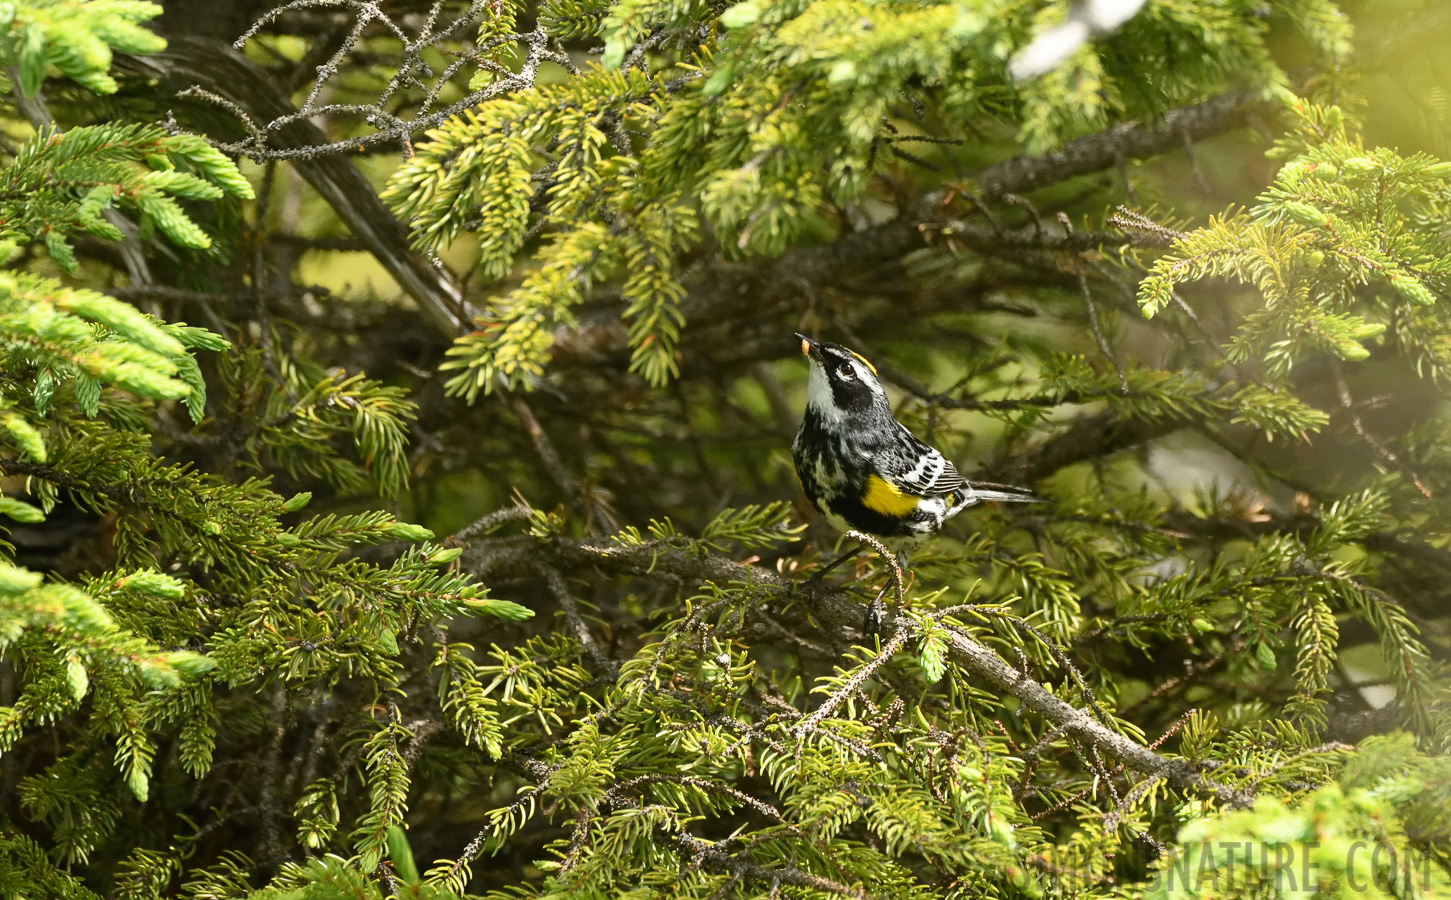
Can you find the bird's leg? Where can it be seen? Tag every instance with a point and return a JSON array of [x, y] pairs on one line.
[[822, 573], [872, 621], [899, 565]]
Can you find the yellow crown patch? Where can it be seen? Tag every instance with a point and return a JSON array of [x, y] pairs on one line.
[[864, 360]]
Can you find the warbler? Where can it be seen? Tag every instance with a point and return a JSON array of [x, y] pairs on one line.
[[863, 470]]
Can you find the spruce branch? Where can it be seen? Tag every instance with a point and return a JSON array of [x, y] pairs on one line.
[[842, 611], [698, 853], [727, 293]]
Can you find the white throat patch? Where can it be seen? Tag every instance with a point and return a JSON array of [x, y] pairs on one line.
[[819, 396]]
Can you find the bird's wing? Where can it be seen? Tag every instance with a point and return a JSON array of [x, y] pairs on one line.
[[922, 470]]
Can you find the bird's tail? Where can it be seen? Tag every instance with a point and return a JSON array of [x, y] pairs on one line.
[[978, 491]]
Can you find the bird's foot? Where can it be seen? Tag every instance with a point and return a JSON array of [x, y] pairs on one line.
[[872, 621]]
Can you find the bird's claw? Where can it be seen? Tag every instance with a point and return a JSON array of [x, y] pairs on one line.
[[872, 621]]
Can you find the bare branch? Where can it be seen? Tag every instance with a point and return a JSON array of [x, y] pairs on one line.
[[223, 72]]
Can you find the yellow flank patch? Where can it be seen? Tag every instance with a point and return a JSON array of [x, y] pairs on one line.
[[884, 497], [864, 360]]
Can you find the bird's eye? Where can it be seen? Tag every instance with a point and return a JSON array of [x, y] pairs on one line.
[[845, 373]]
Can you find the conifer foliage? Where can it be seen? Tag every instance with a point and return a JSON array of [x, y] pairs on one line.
[[236, 662]]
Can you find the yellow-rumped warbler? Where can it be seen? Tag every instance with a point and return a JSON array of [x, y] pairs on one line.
[[862, 469]]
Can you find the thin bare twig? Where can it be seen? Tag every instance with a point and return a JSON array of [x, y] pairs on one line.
[[1103, 345], [1384, 453], [599, 661]]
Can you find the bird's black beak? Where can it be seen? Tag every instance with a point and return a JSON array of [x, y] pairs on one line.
[[809, 348]]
